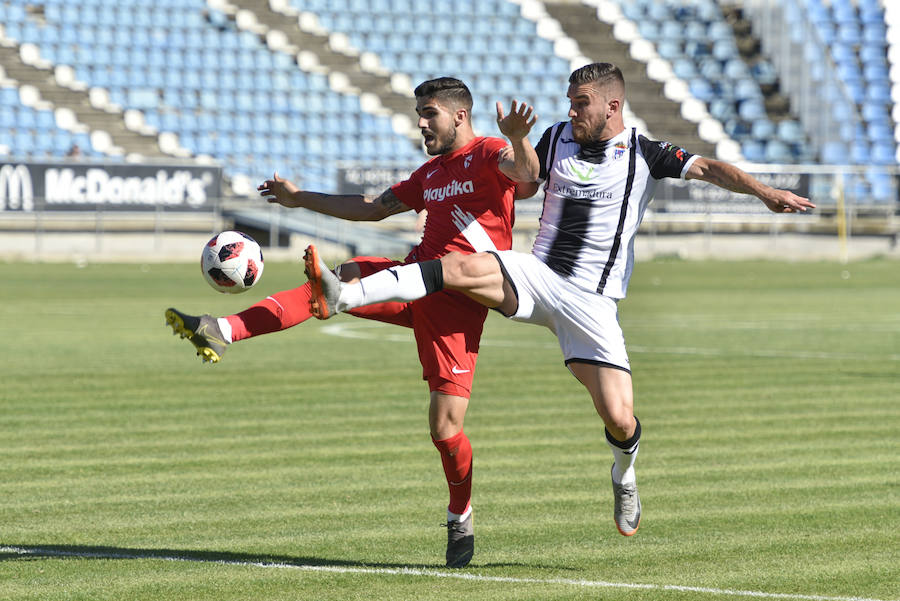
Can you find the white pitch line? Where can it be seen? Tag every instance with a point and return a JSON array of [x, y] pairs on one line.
[[367, 331], [426, 573]]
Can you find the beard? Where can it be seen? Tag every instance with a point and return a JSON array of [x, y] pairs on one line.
[[443, 144], [584, 137]]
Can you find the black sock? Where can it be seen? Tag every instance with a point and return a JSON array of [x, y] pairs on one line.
[[432, 275]]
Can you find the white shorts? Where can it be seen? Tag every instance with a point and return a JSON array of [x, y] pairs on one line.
[[585, 323]]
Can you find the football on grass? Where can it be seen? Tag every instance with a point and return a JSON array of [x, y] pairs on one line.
[[232, 262]]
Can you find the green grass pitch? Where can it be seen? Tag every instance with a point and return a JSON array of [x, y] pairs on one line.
[[301, 467]]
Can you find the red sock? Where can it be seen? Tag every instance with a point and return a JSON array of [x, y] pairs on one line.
[[456, 455], [277, 312]]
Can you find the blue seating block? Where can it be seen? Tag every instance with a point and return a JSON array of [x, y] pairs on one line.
[[754, 150]]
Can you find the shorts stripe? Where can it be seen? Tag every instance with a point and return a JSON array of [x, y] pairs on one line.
[[597, 363], [507, 278]]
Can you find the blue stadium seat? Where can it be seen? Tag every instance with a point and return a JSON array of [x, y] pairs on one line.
[[883, 184], [873, 52], [834, 153], [747, 88], [876, 72], [669, 49], [874, 111], [880, 132], [752, 109], [859, 190], [719, 30], [754, 150], [694, 30], [764, 72], [7, 117], [879, 93], [871, 13], [843, 12], [684, 68], [763, 129], [860, 152], [674, 30], [855, 88], [723, 110], [849, 33], [790, 131], [737, 129], [650, 30], [698, 50], [25, 118], [658, 11], [843, 52], [884, 153], [778, 152], [724, 50], [710, 68]]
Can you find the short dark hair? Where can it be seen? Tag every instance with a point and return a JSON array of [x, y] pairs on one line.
[[602, 73], [446, 89]]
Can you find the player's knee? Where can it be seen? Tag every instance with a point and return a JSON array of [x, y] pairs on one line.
[[621, 424], [453, 266], [476, 270]]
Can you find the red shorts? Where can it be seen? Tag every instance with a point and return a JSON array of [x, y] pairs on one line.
[[447, 326]]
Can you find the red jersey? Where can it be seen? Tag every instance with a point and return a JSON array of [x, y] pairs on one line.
[[468, 199]]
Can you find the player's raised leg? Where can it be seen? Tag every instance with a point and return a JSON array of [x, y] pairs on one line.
[[212, 335], [202, 331]]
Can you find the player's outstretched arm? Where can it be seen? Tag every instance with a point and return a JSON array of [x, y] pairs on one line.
[[353, 207], [726, 175], [520, 162]]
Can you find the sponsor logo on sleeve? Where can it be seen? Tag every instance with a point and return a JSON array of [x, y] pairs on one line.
[[678, 151]]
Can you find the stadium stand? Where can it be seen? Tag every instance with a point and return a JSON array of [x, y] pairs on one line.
[[260, 84], [485, 43]]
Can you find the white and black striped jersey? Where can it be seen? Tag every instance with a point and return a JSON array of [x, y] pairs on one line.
[[594, 200]]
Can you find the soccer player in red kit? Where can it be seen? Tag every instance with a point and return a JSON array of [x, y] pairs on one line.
[[467, 190]]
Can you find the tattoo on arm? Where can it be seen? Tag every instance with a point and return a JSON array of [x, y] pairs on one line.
[[389, 201]]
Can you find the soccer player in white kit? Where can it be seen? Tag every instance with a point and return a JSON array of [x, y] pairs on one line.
[[598, 179]]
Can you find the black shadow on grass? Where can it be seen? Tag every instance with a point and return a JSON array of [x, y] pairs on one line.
[[35, 552]]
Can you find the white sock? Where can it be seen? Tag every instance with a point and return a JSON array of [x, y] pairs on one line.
[[401, 283], [623, 469], [225, 328], [459, 517], [625, 453]]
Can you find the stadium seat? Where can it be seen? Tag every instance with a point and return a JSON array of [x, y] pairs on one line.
[[879, 93], [884, 153], [790, 131], [778, 152], [754, 151], [763, 129], [702, 89], [835, 153], [723, 110], [883, 185], [751, 109], [872, 52], [860, 152], [880, 132]]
